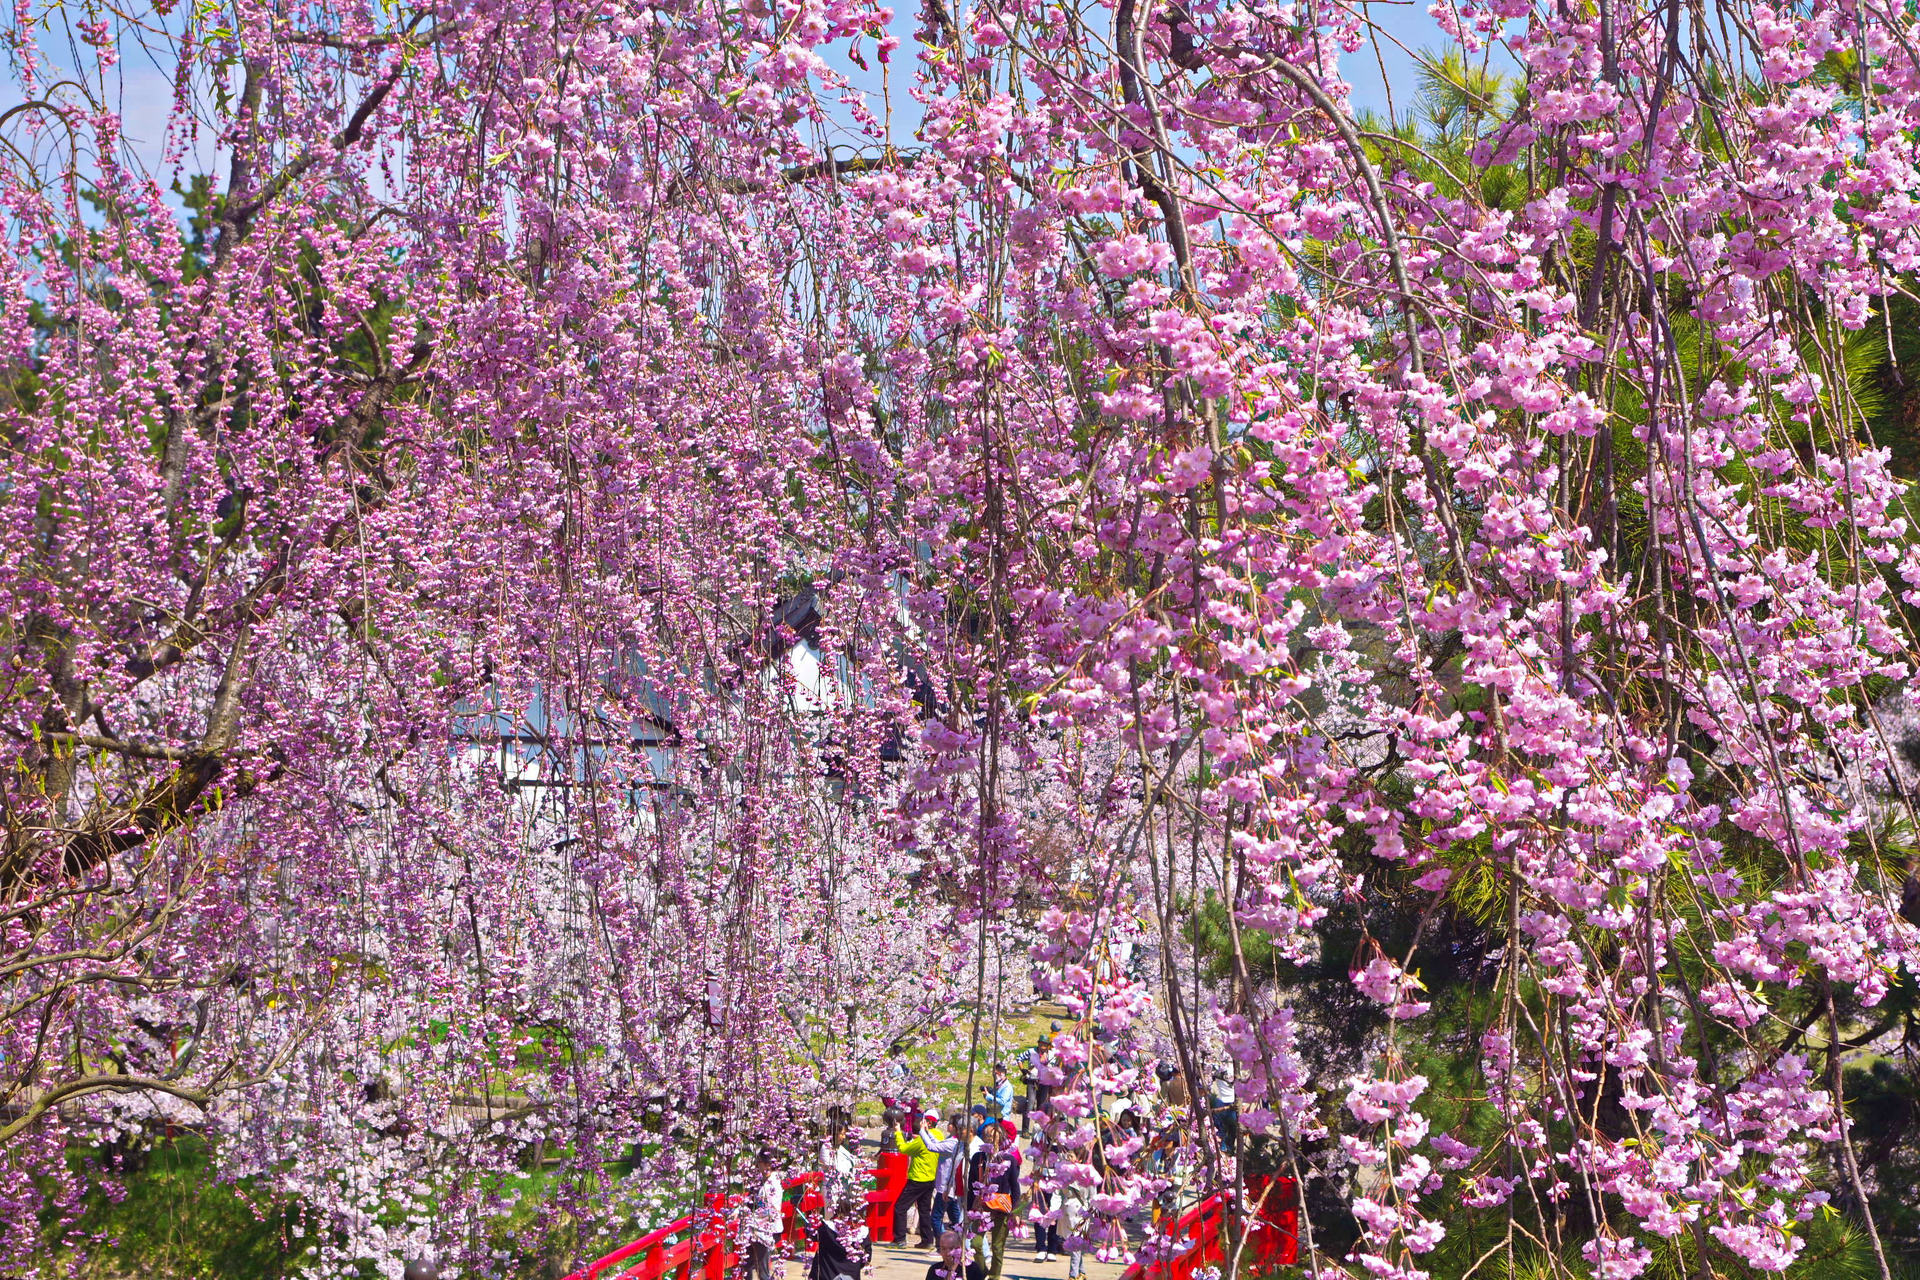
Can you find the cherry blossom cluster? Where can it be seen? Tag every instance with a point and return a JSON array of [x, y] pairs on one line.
[[560, 595]]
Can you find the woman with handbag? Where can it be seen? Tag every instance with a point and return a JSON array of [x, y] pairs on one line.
[[1003, 1188]]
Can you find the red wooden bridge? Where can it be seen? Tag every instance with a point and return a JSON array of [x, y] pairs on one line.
[[701, 1245], [1273, 1237]]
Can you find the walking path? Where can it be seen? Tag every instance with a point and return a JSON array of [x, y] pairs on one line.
[[891, 1262]]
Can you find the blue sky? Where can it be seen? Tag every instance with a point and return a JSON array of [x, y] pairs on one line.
[[141, 86], [1404, 29]]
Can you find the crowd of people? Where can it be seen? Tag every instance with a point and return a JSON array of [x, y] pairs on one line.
[[1006, 1170]]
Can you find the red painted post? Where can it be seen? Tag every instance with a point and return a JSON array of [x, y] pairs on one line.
[[1276, 1232], [1288, 1226], [724, 1255], [890, 1179]]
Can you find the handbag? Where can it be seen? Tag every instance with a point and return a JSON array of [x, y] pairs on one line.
[[998, 1202]]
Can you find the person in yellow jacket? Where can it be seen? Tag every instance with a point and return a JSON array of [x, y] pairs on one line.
[[923, 1167]]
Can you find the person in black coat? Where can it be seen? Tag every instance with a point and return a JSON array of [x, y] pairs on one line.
[[831, 1258], [1004, 1155]]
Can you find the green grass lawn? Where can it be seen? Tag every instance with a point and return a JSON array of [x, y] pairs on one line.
[[939, 1055], [176, 1220], [173, 1219]]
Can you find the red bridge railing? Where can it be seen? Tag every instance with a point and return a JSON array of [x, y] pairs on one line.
[[1203, 1227], [702, 1244], [803, 1197], [670, 1250], [1273, 1239]]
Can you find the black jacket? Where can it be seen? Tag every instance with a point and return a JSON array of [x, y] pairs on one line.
[[1008, 1181], [831, 1259]]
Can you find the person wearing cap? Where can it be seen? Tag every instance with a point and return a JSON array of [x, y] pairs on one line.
[[1000, 1094], [1173, 1086], [1224, 1106], [1030, 1063], [923, 1168]]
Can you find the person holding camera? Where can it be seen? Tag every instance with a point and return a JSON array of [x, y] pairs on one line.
[[999, 1094]]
